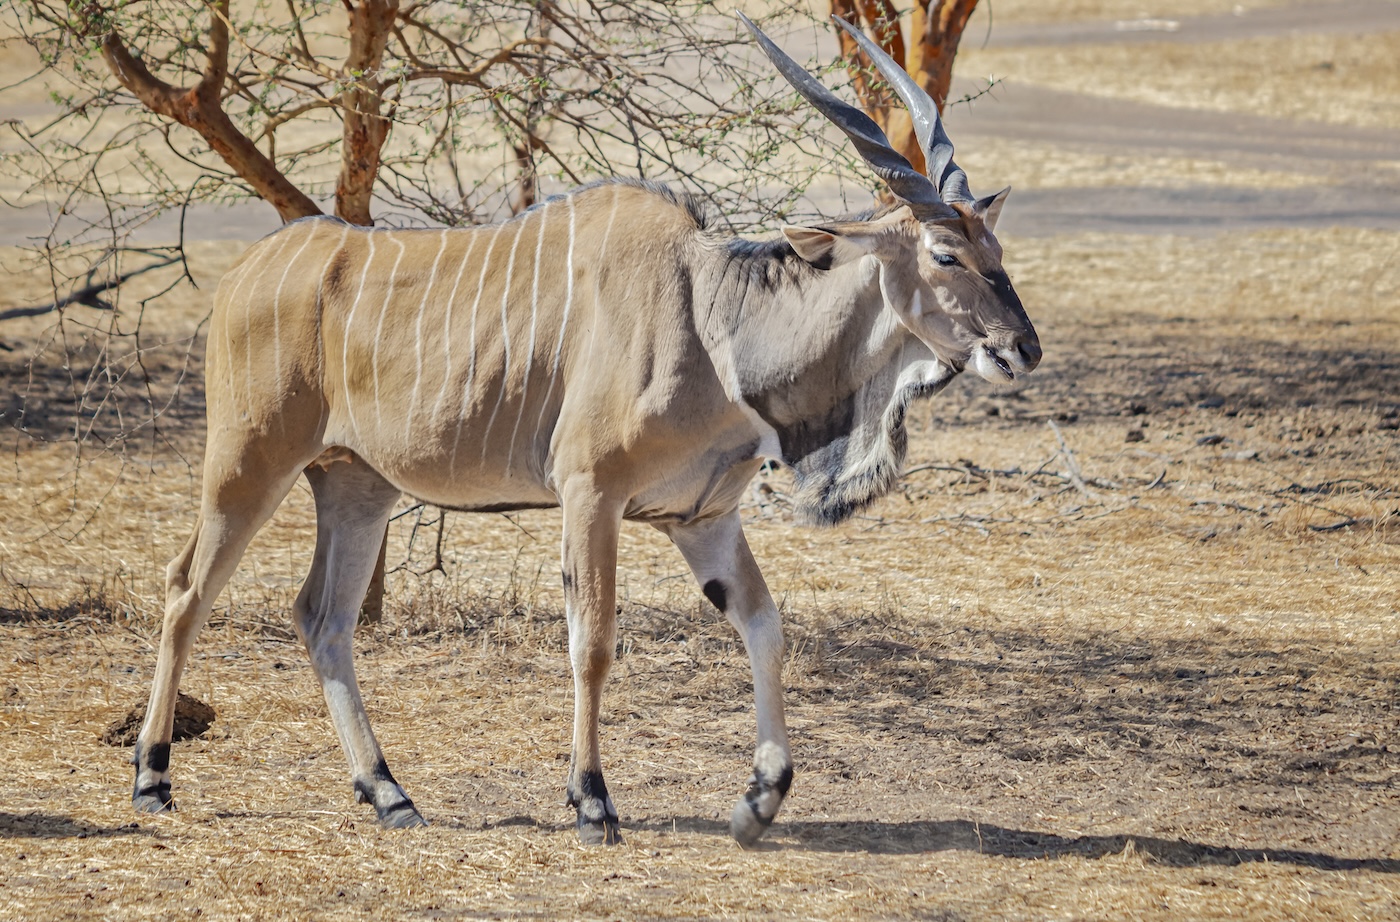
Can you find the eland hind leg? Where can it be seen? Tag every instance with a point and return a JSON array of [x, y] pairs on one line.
[[723, 565], [591, 525], [353, 503], [243, 485]]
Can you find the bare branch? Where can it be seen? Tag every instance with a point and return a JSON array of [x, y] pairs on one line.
[[200, 108]]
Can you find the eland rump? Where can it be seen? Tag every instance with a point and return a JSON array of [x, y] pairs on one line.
[[609, 353]]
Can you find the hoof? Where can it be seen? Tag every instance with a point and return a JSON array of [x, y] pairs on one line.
[[402, 815], [597, 817], [150, 790], [746, 826], [768, 786], [392, 806], [153, 801], [604, 833]]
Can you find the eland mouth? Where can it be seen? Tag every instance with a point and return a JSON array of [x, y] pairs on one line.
[[1002, 365]]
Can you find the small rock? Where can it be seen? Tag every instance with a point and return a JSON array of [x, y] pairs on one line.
[[1210, 440], [192, 718], [1135, 435], [1211, 403], [1137, 409]]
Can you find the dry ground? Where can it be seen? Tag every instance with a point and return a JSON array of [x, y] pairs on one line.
[[1142, 663], [1170, 694]]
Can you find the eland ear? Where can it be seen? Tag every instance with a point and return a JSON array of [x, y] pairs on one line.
[[989, 208], [826, 247]]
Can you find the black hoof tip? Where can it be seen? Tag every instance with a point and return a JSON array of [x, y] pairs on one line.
[[401, 816], [604, 833]]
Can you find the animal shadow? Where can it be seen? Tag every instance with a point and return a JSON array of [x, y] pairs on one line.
[[987, 839], [50, 826]]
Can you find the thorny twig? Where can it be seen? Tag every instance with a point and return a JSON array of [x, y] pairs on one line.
[[1072, 463]]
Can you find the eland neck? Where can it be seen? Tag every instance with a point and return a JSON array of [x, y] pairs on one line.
[[820, 358]]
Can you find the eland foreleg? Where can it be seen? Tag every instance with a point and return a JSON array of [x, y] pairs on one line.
[[724, 567]]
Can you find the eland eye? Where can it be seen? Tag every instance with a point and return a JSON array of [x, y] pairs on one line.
[[946, 259]]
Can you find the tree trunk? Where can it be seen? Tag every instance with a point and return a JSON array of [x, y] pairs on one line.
[[938, 44], [372, 608], [366, 129]]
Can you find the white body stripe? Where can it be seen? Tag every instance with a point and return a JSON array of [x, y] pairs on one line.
[[345, 350], [530, 348], [602, 255], [277, 311], [505, 340], [428, 289], [245, 274], [447, 329], [320, 309], [471, 353], [248, 328], [379, 329], [563, 327]]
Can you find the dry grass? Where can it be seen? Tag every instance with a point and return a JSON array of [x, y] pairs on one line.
[[1168, 695], [1034, 11], [1342, 79]]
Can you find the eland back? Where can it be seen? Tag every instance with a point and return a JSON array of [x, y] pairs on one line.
[[608, 352]]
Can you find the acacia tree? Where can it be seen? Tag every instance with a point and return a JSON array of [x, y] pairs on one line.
[[486, 96]]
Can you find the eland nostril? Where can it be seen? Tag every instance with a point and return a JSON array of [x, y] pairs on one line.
[[1030, 354]]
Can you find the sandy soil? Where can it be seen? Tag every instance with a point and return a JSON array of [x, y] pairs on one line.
[[1169, 695], [1122, 645]]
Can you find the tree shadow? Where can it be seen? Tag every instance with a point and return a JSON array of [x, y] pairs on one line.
[[1170, 363], [922, 837], [51, 614], [50, 826], [1050, 700], [90, 601]]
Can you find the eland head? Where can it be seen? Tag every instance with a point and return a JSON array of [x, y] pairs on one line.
[[939, 259]]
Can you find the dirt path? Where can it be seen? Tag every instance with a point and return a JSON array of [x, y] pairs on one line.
[[1350, 191], [1199, 210], [1034, 113]]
